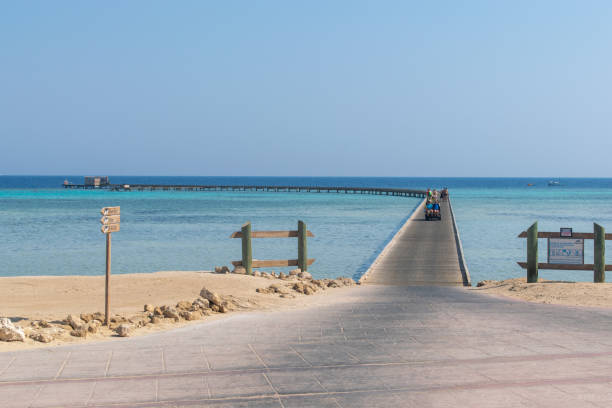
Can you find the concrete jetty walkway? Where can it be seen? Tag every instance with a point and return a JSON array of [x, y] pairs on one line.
[[367, 346], [422, 253]]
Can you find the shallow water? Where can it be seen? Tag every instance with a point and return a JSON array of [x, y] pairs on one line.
[[47, 230]]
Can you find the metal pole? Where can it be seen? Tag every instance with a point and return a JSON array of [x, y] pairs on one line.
[[108, 270], [599, 247], [532, 253]]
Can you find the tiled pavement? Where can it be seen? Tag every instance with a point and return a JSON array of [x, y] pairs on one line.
[[370, 346]]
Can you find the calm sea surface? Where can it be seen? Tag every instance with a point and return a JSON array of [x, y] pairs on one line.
[[47, 230]]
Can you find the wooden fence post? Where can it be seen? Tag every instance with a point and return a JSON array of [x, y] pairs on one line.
[[247, 249], [302, 246], [599, 247], [532, 253]]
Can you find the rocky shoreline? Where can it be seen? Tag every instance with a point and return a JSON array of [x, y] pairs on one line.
[[208, 303]]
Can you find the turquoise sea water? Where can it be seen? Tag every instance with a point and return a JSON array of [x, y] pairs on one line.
[[47, 230]]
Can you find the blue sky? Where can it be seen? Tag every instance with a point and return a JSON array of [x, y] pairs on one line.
[[317, 88]]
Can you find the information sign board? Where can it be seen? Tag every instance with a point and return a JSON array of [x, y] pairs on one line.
[[567, 251]]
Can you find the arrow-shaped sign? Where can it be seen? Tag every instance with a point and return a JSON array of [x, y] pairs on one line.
[[110, 211], [110, 219], [109, 228]]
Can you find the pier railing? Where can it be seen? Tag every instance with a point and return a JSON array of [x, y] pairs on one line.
[[598, 266], [248, 263]]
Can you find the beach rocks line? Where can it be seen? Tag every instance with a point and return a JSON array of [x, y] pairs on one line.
[[302, 283], [85, 324]]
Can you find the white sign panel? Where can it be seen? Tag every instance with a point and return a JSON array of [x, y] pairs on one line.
[[568, 251]]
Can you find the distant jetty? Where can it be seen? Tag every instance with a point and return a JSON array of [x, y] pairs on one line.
[[402, 192]]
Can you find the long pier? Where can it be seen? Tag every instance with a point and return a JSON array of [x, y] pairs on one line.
[[422, 253], [402, 192]]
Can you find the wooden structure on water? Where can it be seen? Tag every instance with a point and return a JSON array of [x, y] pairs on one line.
[[401, 192]]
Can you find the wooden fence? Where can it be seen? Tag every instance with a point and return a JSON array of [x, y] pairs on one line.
[[246, 234], [598, 266]]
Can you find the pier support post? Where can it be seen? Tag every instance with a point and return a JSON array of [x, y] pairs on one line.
[[599, 249], [247, 249], [532, 253], [302, 246]]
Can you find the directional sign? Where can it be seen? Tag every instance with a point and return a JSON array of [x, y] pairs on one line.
[[109, 228], [110, 211], [110, 219]]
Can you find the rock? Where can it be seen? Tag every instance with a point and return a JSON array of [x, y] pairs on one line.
[[87, 317], [305, 288], [171, 313], [79, 332], [227, 307], [149, 308], [44, 324], [201, 303], [221, 269], [211, 296], [98, 316], [214, 308], [156, 319], [75, 321], [333, 284], [118, 319], [276, 288], [191, 315], [304, 275], [157, 311], [486, 283], [265, 275], [239, 270], [183, 304], [256, 273], [123, 330], [273, 274], [281, 275], [41, 337], [9, 332], [93, 326], [294, 272], [264, 291], [345, 281]]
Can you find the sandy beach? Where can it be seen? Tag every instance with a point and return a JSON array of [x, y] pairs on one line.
[[26, 300], [552, 292]]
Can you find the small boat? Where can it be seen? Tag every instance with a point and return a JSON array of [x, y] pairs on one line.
[[554, 183], [530, 185]]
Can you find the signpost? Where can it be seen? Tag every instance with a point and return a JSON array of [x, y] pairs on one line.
[[111, 217], [566, 251]]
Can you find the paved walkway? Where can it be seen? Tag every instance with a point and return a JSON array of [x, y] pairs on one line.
[[422, 253], [369, 346]]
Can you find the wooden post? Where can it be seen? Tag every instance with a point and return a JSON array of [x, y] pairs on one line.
[[532, 253], [247, 249], [599, 249], [107, 291], [302, 246]]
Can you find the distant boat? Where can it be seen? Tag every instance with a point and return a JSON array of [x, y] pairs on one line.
[[530, 185], [554, 183]]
